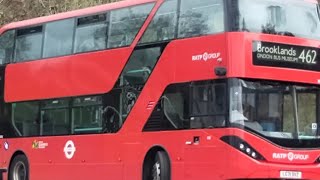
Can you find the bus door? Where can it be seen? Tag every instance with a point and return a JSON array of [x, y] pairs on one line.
[[203, 149], [198, 108]]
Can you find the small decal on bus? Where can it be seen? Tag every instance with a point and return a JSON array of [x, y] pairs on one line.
[[69, 149], [6, 145], [39, 144]]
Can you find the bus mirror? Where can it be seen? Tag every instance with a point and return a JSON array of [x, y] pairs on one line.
[[220, 71]]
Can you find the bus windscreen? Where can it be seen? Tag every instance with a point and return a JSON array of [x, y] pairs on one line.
[[279, 17], [275, 109]]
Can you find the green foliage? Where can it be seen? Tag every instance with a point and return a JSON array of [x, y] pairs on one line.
[[17, 10]]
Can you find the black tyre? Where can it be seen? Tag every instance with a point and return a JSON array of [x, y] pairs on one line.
[[160, 169], [19, 168]]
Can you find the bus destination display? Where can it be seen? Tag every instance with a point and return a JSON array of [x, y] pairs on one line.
[[284, 55]]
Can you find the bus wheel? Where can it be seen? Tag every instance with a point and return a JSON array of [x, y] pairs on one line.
[[161, 166], [19, 168]]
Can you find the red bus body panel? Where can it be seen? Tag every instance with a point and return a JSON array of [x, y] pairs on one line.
[[75, 75]]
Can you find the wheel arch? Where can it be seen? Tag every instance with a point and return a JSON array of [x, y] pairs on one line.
[[15, 154], [150, 155]]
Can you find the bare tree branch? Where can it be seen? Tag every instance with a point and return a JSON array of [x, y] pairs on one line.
[[41, 2]]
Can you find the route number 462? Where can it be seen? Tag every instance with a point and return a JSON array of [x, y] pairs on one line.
[[308, 56]]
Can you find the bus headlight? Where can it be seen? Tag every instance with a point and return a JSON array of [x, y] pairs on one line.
[[242, 146]]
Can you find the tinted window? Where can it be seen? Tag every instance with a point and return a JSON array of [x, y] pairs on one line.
[[132, 80], [58, 38], [87, 115], [55, 118], [6, 47], [80, 115], [289, 18], [175, 105], [91, 33], [207, 99], [125, 24], [140, 65], [26, 119], [28, 44], [163, 25], [208, 105], [189, 106], [112, 113], [200, 17]]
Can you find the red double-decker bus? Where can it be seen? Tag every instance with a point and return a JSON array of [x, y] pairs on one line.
[[163, 90]]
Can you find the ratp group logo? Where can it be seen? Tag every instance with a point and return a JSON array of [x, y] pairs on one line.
[[290, 156], [207, 56]]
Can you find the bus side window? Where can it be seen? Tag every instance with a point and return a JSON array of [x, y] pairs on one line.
[[25, 118], [87, 115], [139, 66], [111, 115], [58, 38], [172, 110], [28, 44], [125, 24], [91, 33], [6, 47], [208, 107], [200, 17], [163, 25], [55, 117]]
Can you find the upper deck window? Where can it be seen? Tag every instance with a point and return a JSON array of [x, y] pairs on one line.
[[200, 17], [6, 47], [112, 29], [58, 38], [91, 33], [125, 24], [287, 17], [28, 44], [163, 25], [196, 18]]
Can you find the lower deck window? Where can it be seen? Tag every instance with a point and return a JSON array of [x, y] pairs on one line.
[[81, 115]]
